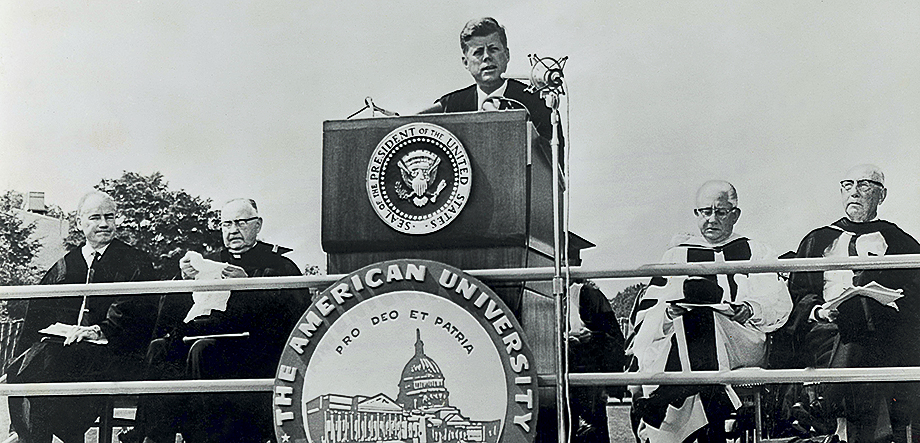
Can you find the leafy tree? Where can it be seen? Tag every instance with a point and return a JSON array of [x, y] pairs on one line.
[[623, 303], [16, 252], [157, 220], [16, 249], [11, 200]]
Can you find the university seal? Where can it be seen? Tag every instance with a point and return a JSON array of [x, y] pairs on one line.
[[406, 350], [419, 178]]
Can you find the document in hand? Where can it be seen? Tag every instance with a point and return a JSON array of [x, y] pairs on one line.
[[207, 269], [62, 330], [721, 308], [873, 290], [206, 301]]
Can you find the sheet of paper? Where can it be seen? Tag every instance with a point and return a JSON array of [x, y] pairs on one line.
[[873, 290], [207, 269], [62, 330], [206, 301], [722, 308]]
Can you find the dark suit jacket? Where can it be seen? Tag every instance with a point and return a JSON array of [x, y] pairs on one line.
[[466, 100]]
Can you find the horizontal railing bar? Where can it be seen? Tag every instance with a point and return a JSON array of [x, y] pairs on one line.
[[170, 286], [138, 387], [746, 376], [489, 275], [747, 267]]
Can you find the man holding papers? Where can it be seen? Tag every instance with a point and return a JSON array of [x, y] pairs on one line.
[[252, 326], [867, 318], [703, 323], [89, 338]]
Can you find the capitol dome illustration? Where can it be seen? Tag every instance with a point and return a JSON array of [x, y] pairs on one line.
[[421, 412], [421, 386]]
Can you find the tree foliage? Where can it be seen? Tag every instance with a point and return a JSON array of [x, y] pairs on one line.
[[16, 253], [157, 220], [16, 248], [623, 303]]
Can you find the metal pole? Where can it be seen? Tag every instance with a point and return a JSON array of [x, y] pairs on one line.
[[552, 100]]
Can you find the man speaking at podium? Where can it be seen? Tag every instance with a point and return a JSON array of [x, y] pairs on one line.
[[485, 55]]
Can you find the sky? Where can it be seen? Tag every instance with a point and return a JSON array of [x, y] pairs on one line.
[[227, 99]]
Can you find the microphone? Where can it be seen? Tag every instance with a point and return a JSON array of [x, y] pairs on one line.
[[369, 104], [546, 74]]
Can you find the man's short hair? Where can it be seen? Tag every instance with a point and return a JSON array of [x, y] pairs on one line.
[[89, 194], [481, 27], [247, 200]]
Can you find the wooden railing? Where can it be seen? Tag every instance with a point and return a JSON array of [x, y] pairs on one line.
[[9, 336]]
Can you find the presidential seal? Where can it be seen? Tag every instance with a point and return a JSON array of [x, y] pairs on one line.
[[406, 350], [419, 178]]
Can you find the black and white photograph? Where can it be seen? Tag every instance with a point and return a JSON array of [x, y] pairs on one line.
[[712, 207]]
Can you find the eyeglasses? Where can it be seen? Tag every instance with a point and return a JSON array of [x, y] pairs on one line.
[[719, 212], [226, 224], [862, 185]]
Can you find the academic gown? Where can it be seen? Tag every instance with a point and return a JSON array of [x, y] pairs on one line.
[[125, 320], [595, 345], [268, 316], [702, 339], [866, 333]]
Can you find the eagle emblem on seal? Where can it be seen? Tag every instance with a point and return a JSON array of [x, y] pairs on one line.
[[419, 172]]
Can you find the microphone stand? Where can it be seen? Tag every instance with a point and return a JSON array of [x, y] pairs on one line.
[[552, 101], [550, 95], [549, 83], [369, 104]]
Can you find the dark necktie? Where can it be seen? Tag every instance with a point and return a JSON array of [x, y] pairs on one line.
[[851, 250], [89, 279], [92, 267]]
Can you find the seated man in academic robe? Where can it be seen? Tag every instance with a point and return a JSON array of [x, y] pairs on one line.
[[251, 327], [108, 337], [484, 45], [861, 332], [595, 345], [703, 323]]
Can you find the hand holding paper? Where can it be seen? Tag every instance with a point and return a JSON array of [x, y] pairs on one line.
[[204, 269], [72, 333], [201, 268], [873, 290]]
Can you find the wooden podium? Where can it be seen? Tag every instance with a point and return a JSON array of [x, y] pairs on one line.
[[507, 221]]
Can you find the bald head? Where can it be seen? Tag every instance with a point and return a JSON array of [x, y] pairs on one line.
[[866, 171], [717, 210], [862, 190], [716, 190]]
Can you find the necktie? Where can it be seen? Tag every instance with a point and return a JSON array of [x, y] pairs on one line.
[[92, 267], [89, 279], [851, 250]]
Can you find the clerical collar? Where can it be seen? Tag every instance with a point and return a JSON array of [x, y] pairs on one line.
[[88, 252], [237, 255], [482, 96]]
